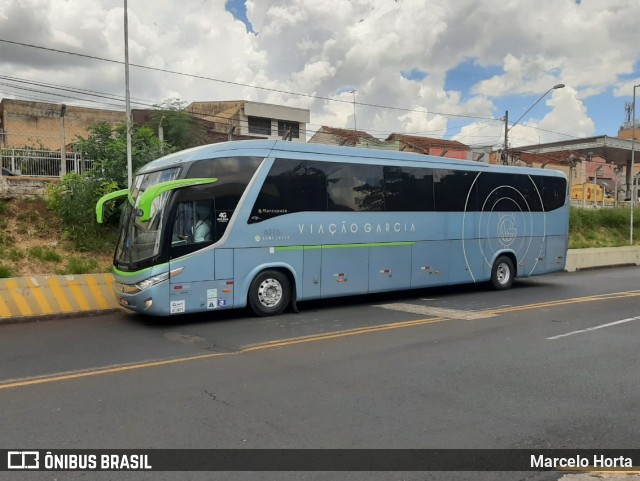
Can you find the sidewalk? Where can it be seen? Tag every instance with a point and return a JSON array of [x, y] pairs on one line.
[[44, 297]]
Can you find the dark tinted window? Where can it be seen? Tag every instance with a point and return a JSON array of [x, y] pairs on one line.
[[454, 190], [354, 187], [408, 189], [507, 193], [530, 192], [553, 190], [233, 174], [285, 127], [259, 125], [291, 186]]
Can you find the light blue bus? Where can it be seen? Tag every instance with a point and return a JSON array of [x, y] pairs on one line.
[[267, 224]]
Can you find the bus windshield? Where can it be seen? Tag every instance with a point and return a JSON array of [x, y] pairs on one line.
[[141, 240]]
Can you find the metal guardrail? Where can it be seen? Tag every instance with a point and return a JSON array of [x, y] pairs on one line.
[[42, 163]]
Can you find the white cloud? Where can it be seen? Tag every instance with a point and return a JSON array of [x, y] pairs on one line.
[[321, 48]]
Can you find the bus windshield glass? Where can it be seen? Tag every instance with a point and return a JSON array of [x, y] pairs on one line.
[[141, 240]]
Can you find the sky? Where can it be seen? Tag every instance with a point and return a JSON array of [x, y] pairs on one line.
[[435, 68]]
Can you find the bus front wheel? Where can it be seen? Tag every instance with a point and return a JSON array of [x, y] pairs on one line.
[[502, 273], [269, 293]]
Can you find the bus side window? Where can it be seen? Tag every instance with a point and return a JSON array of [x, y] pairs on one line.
[[183, 225], [193, 223]]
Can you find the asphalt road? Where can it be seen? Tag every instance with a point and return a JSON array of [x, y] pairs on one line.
[[552, 363]]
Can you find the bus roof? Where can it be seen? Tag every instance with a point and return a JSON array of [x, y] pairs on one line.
[[266, 148]]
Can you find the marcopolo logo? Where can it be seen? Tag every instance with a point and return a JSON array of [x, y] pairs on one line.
[[23, 460]]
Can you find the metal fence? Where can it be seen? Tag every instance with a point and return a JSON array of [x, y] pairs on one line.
[[42, 163]]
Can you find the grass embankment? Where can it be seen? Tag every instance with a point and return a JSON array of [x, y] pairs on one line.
[[33, 242], [608, 227]]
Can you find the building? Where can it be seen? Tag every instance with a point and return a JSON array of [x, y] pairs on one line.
[[429, 146], [347, 137], [253, 119], [351, 138], [47, 126]]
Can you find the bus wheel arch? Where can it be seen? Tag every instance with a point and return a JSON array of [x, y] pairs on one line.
[[503, 271], [271, 291]]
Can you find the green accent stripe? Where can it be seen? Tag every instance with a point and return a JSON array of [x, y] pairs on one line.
[[345, 246], [137, 273]]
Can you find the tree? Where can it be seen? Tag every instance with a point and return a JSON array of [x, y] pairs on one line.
[[74, 198], [180, 129], [107, 146]]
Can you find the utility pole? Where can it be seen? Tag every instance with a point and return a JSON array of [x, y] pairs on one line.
[[505, 150], [354, 109], [63, 148], [161, 135]]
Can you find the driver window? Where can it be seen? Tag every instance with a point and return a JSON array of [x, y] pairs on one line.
[[193, 223]]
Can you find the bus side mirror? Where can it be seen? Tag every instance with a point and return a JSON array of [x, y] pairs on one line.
[[105, 198], [146, 199]]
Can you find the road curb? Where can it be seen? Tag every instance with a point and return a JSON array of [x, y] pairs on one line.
[[41, 297]]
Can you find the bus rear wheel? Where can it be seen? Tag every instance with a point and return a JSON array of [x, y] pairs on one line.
[[269, 293], [502, 273]]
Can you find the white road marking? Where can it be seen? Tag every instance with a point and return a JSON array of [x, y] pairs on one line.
[[437, 311], [601, 326]]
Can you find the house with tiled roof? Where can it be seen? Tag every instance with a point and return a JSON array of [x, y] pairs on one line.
[[578, 167], [336, 136], [430, 146]]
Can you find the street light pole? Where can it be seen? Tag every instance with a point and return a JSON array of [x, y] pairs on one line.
[[506, 120], [633, 151], [127, 97]]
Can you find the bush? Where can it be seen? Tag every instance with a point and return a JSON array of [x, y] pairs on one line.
[[44, 254], [12, 254], [82, 265], [73, 200], [28, 216], [5, 272], [6, 239]]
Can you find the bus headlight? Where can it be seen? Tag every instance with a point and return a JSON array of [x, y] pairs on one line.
[[152, 281]]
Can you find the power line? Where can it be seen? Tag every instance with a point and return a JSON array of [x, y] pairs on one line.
[[195, 112], [239, 84]]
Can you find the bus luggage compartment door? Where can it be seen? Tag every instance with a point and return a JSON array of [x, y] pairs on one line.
[[389, 267], [345, 270], [430, 263], [312, 268]]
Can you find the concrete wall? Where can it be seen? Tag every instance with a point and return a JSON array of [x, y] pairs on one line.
[[23, 186], [602, 257], [39, 124]]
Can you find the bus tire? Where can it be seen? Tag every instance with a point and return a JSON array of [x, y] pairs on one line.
[[502, 273], [269, 293]]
